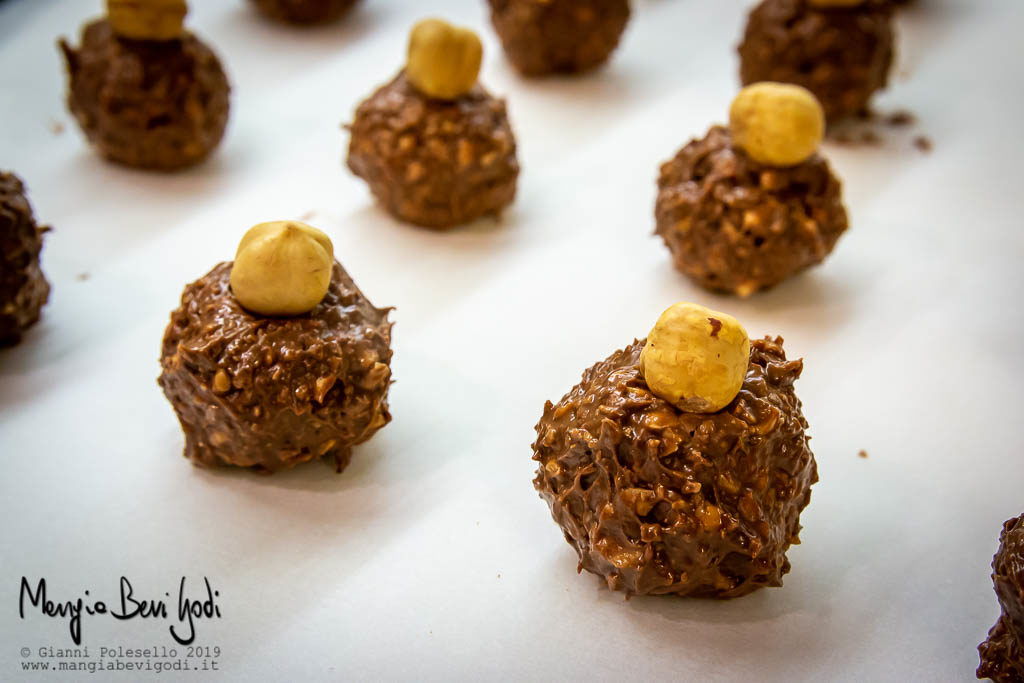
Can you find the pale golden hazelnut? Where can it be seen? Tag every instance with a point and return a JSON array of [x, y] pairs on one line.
[[695, 358], [443, 60], [282, 268], [147, 19], [777, 123]]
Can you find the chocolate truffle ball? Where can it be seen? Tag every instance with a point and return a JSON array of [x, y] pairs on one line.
[[1002, 654], [558, 36], [735, 225], [434, 162], [841, 54], [270, 393], [23, 289], [657, 500], [157, 104], [304, 11]]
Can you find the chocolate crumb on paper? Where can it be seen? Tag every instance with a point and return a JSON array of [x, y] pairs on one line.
[[900, 118]]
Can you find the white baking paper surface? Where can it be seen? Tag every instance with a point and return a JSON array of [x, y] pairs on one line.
[[431, 557]]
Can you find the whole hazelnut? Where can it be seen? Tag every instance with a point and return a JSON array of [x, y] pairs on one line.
[[147, 19], [443, 60], [282, 268], [695, 358], [777, 123]]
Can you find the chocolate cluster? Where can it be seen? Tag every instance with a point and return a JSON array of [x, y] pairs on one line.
[[841, 54], [304, 11], [23, 289], [157, 104], [433, 162], [558, 36], [657, 500], [1002, 654]]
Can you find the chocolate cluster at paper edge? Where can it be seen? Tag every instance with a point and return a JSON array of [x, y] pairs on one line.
[[23, 288], [1002, 653], [561, 36], [304, 11], [841, 54], [154, 104], [657, 500], [272, 392]]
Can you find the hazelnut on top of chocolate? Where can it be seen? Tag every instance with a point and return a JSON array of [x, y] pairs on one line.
[[841, 50], [147, 19], [304, 11], [434, 147], [277, 358], [558, 36], [746, 207], [1002, 653], [23, 288], [680, 464], [145, 91]]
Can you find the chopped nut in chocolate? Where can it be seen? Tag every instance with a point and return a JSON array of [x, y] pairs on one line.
[[158, 104], [1002, 654], [656, 500], [304, 11], [739, 226], [23, 289], [558, 36], [269, 393], [433, 162], [841, 54]]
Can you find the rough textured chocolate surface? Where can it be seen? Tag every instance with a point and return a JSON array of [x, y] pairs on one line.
[[148, 104], [656, 500], [269, 393], [23, 289], [304, 11], [841, 54], [558, 36], [735, 225], [432, 162], [1002, 654]]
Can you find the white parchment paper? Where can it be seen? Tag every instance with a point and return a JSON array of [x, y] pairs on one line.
[[431, 557]]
